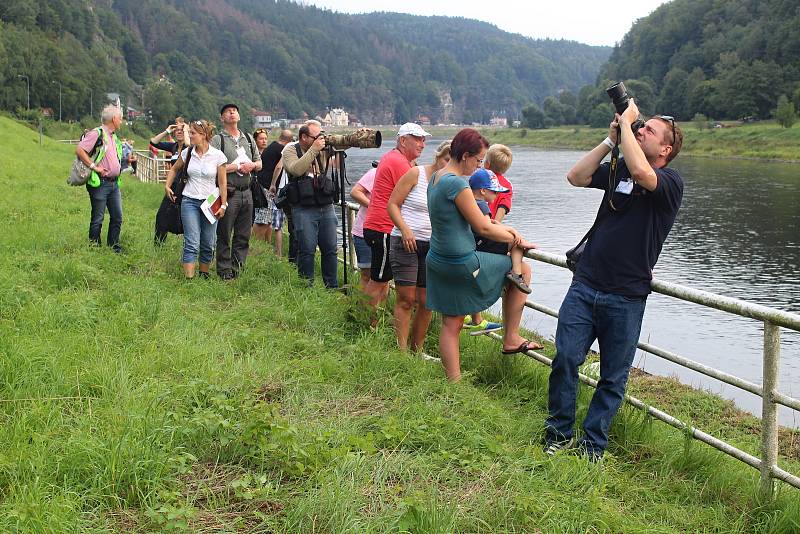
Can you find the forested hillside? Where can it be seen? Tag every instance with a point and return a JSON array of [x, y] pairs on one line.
[[726, 60], [187, 56]]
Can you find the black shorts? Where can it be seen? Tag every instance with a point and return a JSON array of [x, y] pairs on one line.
[[487, 245], [381, 269], [408, 267]]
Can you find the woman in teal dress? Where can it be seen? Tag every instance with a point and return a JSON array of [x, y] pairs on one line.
[[461, 279]]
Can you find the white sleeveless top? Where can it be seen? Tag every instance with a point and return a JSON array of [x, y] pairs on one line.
[[415, 209]]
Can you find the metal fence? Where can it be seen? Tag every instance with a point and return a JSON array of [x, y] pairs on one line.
[[150, 169], [773, 321]]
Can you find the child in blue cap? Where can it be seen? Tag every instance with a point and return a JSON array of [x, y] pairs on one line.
[[485, 187]]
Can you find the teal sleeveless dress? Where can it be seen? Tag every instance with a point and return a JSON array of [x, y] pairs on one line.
[[461, 280]]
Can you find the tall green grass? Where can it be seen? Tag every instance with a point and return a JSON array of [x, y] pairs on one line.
[[132, 400]]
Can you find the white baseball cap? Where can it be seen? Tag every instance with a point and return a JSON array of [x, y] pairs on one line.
[[411, 128]]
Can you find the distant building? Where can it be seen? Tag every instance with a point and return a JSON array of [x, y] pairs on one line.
[[47, 112], [335, 117], [498, 122], [261, 119], [133, 114], [424, 120], [516, 124]]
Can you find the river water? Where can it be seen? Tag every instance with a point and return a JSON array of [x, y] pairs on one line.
[[737, 234]]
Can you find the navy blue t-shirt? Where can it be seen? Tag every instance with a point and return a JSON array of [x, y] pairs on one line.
[[621, 253]]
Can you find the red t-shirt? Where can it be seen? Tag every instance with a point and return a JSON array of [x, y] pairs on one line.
[[392, 167], [502, 199]]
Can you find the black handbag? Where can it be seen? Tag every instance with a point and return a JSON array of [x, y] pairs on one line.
[[282, 198], [259, 194], [574, 254], [180, 181], [168, 218]]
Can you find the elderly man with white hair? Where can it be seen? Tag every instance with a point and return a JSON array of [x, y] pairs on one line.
[[101, 150]]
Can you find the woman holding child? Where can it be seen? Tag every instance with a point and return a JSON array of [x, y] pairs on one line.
[[461, 279], [408, 246], [205, 171]]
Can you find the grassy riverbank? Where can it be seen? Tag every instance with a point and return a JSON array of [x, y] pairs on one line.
[[134, 401], [763, 140]]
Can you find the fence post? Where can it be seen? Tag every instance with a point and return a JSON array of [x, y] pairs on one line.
[[769, 409], [351, 220]]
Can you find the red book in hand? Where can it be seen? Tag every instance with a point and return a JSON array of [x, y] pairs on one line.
[[216, 205]]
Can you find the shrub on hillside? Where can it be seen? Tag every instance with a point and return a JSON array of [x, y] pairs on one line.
[[785, 113]]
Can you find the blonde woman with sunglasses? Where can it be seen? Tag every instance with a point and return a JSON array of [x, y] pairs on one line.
[[205, 172]]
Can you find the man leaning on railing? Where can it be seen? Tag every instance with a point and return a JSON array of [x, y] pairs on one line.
[[607, 297]]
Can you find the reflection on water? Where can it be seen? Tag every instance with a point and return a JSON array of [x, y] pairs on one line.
[[737, 234]]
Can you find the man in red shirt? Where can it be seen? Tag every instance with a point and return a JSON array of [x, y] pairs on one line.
[[377, 225]]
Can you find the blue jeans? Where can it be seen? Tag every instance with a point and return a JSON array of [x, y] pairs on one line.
[[106, 195], [198, 234], [615, 321], [363, 253], [316, 226]]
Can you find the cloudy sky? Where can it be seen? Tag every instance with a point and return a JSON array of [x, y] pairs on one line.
[[591, 22]]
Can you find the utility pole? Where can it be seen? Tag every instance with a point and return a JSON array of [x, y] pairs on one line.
[[59, 99], [28, 85]]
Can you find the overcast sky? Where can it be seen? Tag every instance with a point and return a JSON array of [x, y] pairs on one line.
[[591, 22]]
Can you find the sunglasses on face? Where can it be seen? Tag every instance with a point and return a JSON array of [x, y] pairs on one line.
[[671, 120]]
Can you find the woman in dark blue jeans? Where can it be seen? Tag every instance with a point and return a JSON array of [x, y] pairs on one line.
[[205, 173]]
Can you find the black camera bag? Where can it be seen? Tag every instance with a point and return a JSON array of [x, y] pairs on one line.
[[308, 191], [574, 254], [180, 181]]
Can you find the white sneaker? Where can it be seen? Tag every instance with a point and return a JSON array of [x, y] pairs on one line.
[[428, 358]]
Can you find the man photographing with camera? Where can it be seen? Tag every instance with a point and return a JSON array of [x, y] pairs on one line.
[[311, 194], [607, 297]]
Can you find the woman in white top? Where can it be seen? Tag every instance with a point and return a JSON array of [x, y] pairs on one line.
[[205, 175], [408, 246]]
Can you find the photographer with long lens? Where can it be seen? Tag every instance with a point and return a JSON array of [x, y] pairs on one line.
[[311, 194], [607, 297]]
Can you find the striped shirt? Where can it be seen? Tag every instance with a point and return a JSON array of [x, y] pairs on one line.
[[415, 209]]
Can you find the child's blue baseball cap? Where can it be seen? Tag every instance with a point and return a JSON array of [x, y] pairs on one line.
[[486, 179]]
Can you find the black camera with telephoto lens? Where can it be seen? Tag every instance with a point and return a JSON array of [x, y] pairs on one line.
[[620, 97]]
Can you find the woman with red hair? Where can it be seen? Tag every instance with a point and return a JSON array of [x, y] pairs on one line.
[[461, 279]]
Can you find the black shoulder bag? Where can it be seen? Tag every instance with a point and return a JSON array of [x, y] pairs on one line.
[[574, 254], [182, 178]]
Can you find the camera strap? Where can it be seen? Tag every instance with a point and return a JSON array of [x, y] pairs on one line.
[[613, 182], [316, 165]]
